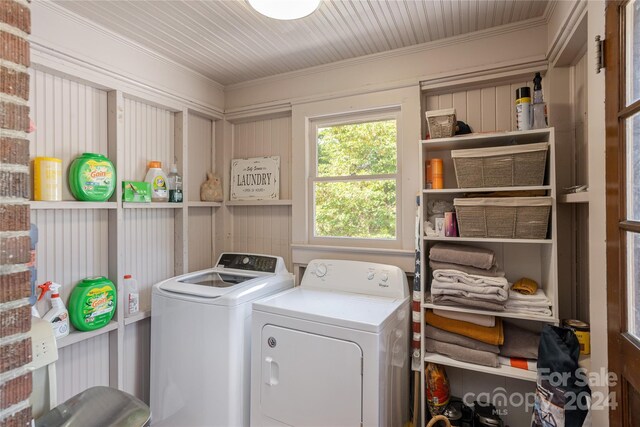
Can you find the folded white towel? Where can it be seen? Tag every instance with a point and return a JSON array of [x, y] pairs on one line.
[[458, 289], [536, 311], [470, 279], [459, 284], [537, 297], [536, 301], [478, 319]]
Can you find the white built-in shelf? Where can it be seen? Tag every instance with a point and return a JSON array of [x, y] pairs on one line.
[[72, 204], [493, 139], [195, 204], [137, 317], [505, 371], [486, 240], [258, 203], [484, 190], [581, 197], [76, 336], [506, 314], [152, 205]]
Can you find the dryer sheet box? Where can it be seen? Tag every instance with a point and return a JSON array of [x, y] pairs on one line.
[[136, 192]]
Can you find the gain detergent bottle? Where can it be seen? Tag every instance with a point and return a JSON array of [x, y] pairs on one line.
[[92, 303]]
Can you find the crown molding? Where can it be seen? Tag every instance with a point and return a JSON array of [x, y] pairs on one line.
[[562, 37], [409, 50], [51, 60], [93, 26], [548, 11]]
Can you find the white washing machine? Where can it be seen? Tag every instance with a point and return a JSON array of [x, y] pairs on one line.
[[333, 351], [200, 340]]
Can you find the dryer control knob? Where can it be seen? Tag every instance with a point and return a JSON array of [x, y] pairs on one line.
[[321, 270], [384, 277], [371, 275], [245, 260]]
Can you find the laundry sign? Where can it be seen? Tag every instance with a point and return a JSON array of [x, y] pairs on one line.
[[257, 178]]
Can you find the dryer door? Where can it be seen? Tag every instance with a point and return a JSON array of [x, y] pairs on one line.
[[310, 380]]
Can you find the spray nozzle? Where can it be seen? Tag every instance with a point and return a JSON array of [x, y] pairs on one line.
[[537, 82], [49, 287]]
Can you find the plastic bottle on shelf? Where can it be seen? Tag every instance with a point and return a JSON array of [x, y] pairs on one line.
[[58, 315], [133, 296], [158, 180], [539, 106], [174, 181]]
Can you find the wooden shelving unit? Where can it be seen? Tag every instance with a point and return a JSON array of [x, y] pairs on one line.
[[534, 258]]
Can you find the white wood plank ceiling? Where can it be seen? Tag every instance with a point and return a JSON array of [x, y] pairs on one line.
[[229, 42]]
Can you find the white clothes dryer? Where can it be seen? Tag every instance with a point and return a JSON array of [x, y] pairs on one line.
[[333, 351], [200, 340]]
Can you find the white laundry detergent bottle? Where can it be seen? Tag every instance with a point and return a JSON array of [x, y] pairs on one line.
[[58, 315]]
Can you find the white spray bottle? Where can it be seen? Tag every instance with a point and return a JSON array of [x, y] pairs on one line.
[[58, 315]]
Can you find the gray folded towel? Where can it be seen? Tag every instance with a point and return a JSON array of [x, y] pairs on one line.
[[519, 342], [467, 302], [462, 354], [492, 272], [462, 254], [434, 333]]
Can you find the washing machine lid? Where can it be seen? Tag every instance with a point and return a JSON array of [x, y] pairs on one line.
[[236, 278], [344, 309], [223, 288]]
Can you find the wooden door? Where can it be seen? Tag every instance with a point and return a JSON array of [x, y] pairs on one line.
[[623, 206]]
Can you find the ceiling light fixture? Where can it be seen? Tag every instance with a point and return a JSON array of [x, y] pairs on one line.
[[285, 9]]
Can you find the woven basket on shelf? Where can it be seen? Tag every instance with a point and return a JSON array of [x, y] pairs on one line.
[[441, 123], [516, 165], [503, 217]]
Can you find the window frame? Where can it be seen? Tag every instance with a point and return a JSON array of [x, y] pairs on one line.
[[365, 116]]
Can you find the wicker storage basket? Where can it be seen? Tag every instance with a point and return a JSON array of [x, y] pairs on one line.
[[441, 123], [511, 166], [503, 217]]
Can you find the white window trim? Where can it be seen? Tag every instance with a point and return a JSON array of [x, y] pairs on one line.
[[390, 113], [408, 100]]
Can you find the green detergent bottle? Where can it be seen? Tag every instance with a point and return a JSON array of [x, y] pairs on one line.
[[92, 177], [92, 303]]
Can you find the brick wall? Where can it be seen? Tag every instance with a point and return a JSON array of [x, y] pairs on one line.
[[15, 317]]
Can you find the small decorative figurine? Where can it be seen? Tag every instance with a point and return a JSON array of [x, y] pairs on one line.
[[211, 189]]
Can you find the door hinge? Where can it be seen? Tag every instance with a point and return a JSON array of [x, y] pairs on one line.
[[599, 54]]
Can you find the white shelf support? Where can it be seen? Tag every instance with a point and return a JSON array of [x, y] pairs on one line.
[[181, 140], [115, 123]]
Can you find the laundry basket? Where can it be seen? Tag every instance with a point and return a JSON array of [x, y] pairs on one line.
[[503, 217], [510, 166]]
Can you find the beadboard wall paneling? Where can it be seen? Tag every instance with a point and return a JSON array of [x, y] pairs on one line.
[[70, 119], [149, 241], [264, 229], [201, 241], [82, 365], [201, 220], [72, 245], [137, 344], [149, 248], [148, 135], [485, 109], [201, 153]]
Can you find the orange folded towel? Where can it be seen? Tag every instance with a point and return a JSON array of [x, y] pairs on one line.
[[493, 335]]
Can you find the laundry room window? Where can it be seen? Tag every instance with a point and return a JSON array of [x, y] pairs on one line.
[[354, 177]]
